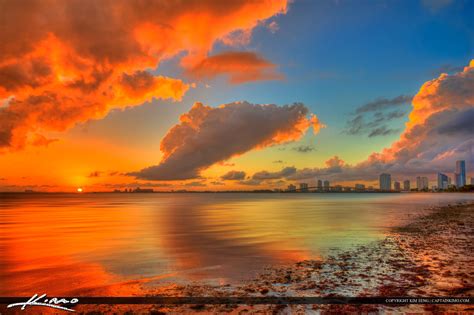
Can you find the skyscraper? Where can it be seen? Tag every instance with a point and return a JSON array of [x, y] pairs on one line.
[[406, 185], [396, 186], [442, 181], [326, 185], [460, 175], [304, 187], [319, 184], [421, 183], [385, 182]]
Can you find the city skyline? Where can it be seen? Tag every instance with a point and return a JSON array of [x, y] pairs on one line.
[[261, 95], [385, 184], [444, 182]]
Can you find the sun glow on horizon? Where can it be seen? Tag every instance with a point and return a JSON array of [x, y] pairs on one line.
[[79, 189]]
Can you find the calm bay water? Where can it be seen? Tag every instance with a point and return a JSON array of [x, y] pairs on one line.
[[83, 243]]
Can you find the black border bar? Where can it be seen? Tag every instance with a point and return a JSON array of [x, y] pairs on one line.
[[167, 300]]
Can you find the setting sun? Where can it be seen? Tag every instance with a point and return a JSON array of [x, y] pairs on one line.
[[79, 190]]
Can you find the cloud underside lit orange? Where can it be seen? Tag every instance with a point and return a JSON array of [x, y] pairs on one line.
[[440, 130], [64, 62], [207, 135], [239, 66], [440, 103]]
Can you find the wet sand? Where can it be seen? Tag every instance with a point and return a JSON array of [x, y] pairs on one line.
[[430, 256]]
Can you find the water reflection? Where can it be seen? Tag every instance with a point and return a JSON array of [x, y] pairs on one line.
[[107, 244], [216, 238]]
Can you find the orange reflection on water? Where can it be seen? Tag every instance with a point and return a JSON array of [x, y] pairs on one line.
[[111, 244], [115, 244], [56, 246]]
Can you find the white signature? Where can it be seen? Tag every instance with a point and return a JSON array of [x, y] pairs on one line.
[[41, 300]]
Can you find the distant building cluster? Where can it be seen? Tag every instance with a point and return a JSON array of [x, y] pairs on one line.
[[422, 182], [385, 183], [136, 190]]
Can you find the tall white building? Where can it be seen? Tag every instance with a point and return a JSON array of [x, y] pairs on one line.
[[304, 187], [385, 182], [421, 183], [326, 185]]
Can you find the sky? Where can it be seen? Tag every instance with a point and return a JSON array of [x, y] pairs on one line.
[[215, 95]]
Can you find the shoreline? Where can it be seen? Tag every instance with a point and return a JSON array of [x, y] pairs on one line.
[[429, 256]]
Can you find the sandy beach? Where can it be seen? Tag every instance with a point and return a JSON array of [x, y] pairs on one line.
[[430, 256]]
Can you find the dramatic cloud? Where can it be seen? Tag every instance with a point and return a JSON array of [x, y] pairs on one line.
[[439, 105], [64, 62], [440, 131], [207, 135], [233, 175], [239, 66]]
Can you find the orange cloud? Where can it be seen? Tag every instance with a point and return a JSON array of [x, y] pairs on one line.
[[440, 131], [64, 62], [448, 94], [239, 66], [207, 135], [335, 162]]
